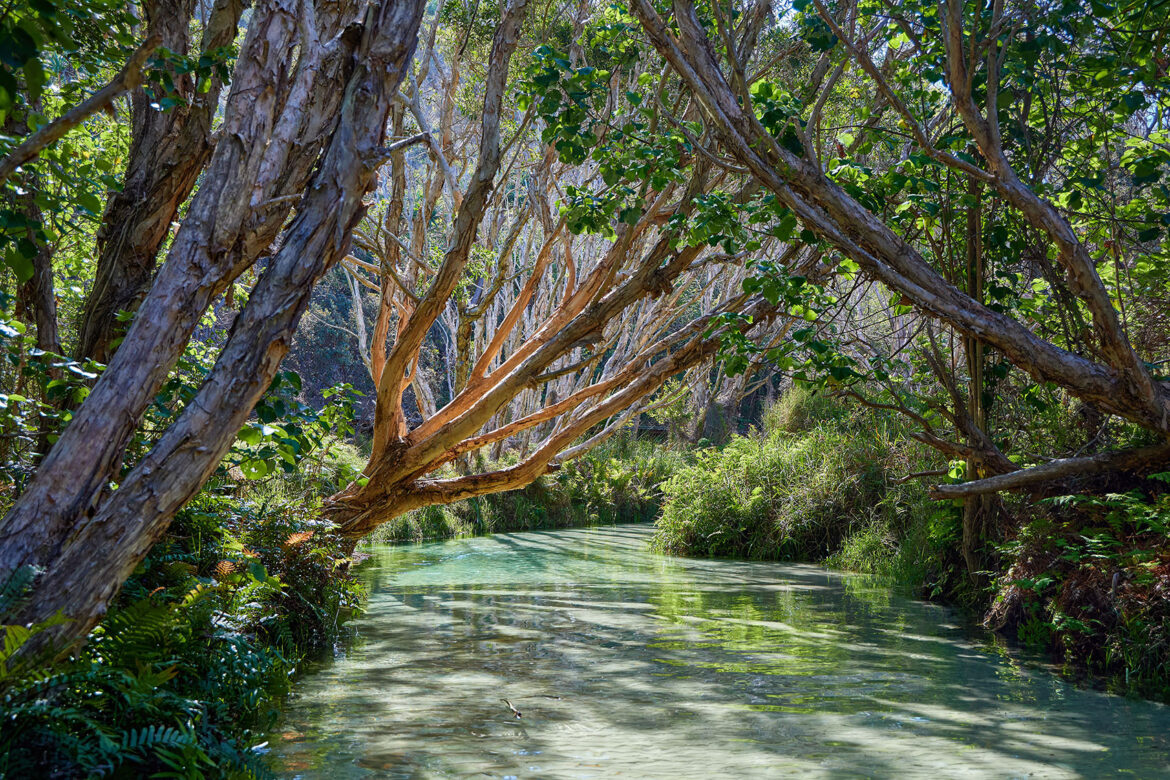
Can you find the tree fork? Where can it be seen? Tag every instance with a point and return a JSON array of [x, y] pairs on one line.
[[110, 536]]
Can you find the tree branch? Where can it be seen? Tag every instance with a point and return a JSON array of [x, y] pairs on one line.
[[1102, 463], [129, 77]]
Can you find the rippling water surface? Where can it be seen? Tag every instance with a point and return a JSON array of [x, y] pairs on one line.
[[628, 664]]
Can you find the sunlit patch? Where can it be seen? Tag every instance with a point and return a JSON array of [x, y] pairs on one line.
[[628, 664]]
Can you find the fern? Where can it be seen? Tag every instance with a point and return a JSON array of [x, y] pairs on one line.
[[16, 588], [180, 676], [143, 630], [155, 735]]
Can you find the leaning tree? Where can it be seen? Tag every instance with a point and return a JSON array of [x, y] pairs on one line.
[[1035, 112], [996, 167], [554, 324], [303, 123], [597, 307]]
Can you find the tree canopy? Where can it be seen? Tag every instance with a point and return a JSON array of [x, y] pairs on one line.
[[552, 218]]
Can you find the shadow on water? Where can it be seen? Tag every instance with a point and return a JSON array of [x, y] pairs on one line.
[[627, 664]]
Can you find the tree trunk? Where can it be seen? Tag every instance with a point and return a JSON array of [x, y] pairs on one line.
[[37, 299], [168, 150], [975, 508], [718, 421], [107, 536]]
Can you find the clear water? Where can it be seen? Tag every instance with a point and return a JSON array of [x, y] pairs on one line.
[[627, 664]]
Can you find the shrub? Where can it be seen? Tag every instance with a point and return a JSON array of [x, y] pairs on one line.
[[183, 674], [803, 408], [816, 482]]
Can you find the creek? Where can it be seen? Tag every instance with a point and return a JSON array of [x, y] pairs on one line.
[[623, 663]]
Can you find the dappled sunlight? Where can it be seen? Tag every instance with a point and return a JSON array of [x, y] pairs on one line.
[[623, 663]]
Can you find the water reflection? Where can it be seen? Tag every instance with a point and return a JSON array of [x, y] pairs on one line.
[[626, 664]]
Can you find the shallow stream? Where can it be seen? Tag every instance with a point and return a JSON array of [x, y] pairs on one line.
[[622, 663]]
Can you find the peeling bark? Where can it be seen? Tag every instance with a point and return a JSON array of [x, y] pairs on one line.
[[87, 541], [168, 151]]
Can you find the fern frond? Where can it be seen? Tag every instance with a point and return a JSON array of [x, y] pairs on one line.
[[15, 589]]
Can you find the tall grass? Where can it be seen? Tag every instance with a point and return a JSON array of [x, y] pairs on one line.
[[817, 483]]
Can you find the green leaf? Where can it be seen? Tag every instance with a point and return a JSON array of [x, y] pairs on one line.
[[19, 263], [257, 571], [254, 468]]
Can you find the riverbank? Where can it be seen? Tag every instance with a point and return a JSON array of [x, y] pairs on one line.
[[199, 650], [1084, 580], [185, 674]]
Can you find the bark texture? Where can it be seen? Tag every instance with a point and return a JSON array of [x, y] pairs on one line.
[[168, 151], [87, 540]]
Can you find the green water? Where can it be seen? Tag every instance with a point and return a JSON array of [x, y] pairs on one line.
[[627, 664]]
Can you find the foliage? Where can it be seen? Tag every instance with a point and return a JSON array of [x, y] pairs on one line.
[[287, 430], [817, 478], [181, 677], [1087, 580], [801, 409], [246, 581], [39, 387]]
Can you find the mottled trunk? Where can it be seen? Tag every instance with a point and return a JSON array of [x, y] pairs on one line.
[[719, 421], [36, 299], [168, 151], [463, 341], [975, 508], [89, 542]]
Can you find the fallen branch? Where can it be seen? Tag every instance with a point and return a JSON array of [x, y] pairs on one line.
[[920, 474], [129, 77], [1120, 460]]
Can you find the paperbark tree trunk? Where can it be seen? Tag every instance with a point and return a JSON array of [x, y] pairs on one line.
[[975, 508], [168, 151], [87, 541], [1119, 384]]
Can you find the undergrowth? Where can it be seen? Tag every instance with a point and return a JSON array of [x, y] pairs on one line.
[[1087, 580], [182, 676], [817, 483], [618, 482], [1084, 579]]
